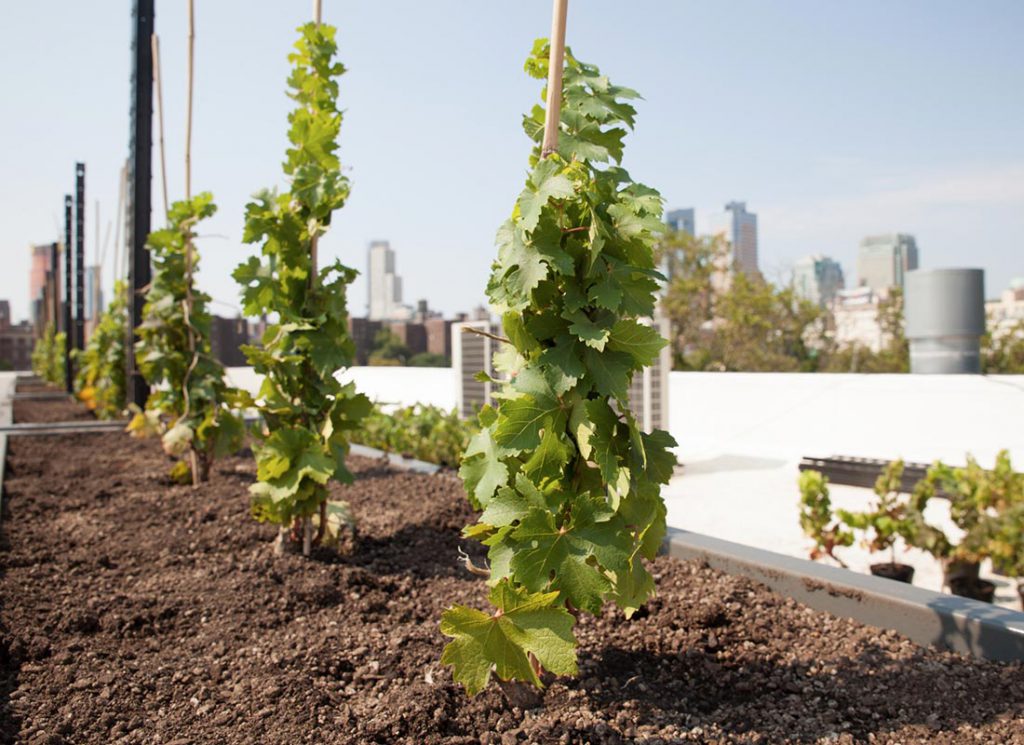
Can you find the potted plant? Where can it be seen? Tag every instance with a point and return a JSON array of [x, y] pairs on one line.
[[816, 518], [886, 521], [1005, 544], [960, 561], [977, 497]]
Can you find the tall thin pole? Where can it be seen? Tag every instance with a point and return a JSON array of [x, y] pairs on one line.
[[556, 60], [68, 284], [314, 239], [79, 255], [140, 175], [160, 118], [55, 287], [189, 250], [307, 523], [97, 253], [118, 218], [188, 113]]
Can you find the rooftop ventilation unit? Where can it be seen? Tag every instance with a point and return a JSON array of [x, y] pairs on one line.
[[945, 319], [473, 353]]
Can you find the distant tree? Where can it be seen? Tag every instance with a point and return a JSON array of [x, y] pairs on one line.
[[730, 320], [429, 359], [761, 328], [692, 264], [1002, 350], [388, 350]]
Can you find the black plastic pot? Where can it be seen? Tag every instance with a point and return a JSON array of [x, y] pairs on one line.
[[898, 572], [975, 589], [953, 569]]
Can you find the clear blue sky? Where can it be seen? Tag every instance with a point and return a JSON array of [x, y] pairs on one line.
[[832, 120]]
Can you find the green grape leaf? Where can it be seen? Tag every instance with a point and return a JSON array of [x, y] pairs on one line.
[[549, 457], [524, 624], [642, 343], [519, 427], [482, 469], [546, 183], [610, 372], [543, 550], [590, 332], [632, 587]]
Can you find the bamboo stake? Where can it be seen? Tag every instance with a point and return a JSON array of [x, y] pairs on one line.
[[118, 218], [314, 239], [157, 78], [188, 114], [193, 456], [307, 522], [556, 60]]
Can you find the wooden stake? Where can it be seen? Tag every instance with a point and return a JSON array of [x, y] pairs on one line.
[[160, 117], [556, 60], [314, 240], [188, 114], [193, 456], [118, 217]]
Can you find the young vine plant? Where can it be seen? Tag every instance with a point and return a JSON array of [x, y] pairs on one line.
[[567, 482], [191, 405], [101, 381], [48, 355], [306, 411]]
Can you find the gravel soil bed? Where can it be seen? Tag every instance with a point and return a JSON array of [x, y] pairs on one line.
[[136, 611]]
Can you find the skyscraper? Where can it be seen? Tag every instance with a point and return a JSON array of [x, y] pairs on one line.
[[385, 290], [37, 280], [884, 260], [817, 278], [740, 229], [93, 293], [681, 220]]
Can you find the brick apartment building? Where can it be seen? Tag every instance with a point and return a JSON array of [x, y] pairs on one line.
[[16, 341]]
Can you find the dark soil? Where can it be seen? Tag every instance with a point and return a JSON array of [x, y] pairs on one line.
[[898, 572], [135, 611], [976, 589]]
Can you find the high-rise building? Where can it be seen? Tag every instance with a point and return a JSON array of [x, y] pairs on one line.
[[93, 293], [817, 278], [16, 341], [385, 290], [884, 260], [681, 220], [740, 230], [40, 267]]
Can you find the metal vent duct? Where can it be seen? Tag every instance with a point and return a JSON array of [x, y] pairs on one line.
[[945, 318]]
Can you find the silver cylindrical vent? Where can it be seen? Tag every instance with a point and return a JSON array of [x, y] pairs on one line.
[[945, 318]]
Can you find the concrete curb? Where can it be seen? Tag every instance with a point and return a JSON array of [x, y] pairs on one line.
[[62, 428], [928, 618], [408, 464], [6, 417]]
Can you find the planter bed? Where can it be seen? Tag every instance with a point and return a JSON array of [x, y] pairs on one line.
[[135, 611]]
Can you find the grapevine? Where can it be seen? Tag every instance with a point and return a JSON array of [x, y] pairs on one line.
[[101, 381], [192, 405], [568, 484], [306, 411], [48, 355]]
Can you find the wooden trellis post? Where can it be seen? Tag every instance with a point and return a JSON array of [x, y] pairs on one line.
[[556, 60], [158, 84]]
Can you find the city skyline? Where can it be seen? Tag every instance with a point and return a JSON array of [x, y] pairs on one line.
[[820, 168]]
